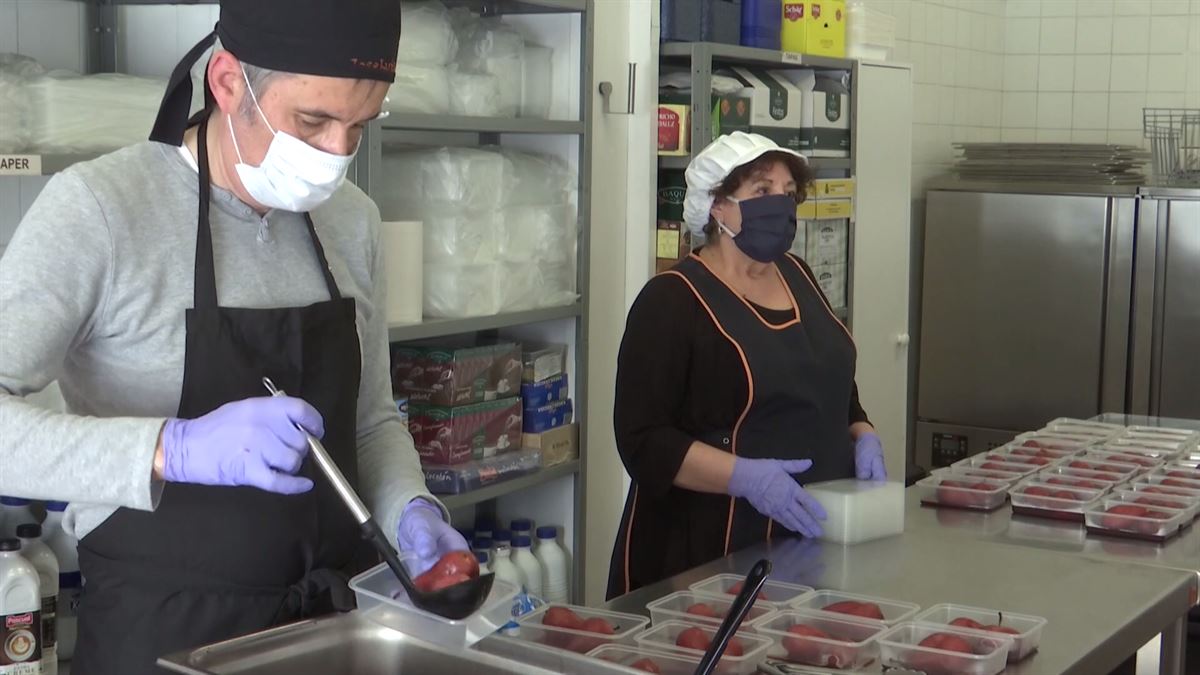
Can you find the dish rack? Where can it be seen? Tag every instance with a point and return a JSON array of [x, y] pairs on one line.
[[1174, 135]]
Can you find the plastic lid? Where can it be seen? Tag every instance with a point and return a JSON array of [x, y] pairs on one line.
[[14, 501], [481, 543], [7, 545], [56, 506], [503, 551], [502, 535], [29, 531], [521, 541], [547, 532], [522, 525]]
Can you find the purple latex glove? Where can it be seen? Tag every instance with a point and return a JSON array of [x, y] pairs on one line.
[[769, 487], [423, 533], [252, 442], [868, 457]]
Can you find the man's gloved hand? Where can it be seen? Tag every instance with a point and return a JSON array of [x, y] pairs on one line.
[[252, 442], [769, 487], [423, 533], [868, 457]]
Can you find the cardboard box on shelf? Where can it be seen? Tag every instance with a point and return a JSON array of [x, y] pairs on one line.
[[825, 120], [814, 27], [828, 242], [537, 420], [674, 126], [776, 108], [455, 375], [832, 280], [807, 210], [538, 394], [673, 241], [800, 243], [730, 112], [543, 361], [827, 188], [834, 209], [443, 480], [450, 435], [558, 445]]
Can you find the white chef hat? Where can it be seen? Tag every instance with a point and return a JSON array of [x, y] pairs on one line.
[[713, 164]]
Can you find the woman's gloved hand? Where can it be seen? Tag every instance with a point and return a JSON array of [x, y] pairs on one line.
[[868, 457], [253, 442], [769, 487], [424, 533]]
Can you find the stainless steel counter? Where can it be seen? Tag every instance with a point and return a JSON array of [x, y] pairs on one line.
[[1099, 611]]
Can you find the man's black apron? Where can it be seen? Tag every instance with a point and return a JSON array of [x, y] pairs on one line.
[[801, 376], [212, 563]]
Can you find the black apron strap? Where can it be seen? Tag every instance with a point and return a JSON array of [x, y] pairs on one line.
[[172, 118], [205, 284], [330, 284]]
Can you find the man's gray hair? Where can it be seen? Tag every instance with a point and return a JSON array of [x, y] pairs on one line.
[[259, 78]]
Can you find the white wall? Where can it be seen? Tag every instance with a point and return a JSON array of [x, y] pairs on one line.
[[1082, 71]]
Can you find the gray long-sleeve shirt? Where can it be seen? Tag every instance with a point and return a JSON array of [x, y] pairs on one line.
[[93, 290]]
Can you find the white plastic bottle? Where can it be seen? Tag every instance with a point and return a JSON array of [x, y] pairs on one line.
[[483, 560], [14, 511], [504, 569], [531, 569], [70, 582], [500, 537], [522, 526], [44, 561], [20, 612], [556, 579]]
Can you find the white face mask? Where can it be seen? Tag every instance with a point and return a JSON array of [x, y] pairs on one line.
[[293, 176]]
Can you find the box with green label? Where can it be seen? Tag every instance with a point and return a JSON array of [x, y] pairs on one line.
[[730, 112], [776, 107]]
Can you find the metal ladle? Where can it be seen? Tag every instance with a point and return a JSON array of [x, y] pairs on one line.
[[453, 602]]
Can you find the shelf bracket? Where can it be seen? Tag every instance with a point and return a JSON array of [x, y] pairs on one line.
[[606, 89]]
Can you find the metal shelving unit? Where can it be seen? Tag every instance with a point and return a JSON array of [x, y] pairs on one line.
[[481, 125], [432, 328], [703, 58], [515, 485]]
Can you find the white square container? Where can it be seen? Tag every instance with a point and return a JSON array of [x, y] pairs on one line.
[[894, 611], [859, 510], [376, 587], [850, 644], [899, 648], [625, 627], [776, 592], [674, 607], [1028, 627], [663, 635]]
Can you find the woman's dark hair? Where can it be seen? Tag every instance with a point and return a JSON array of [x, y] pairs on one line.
[[801, 173]]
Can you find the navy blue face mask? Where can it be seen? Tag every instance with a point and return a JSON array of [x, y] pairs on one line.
[[768, 226]]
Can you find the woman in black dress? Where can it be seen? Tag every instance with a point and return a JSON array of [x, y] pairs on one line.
[[733, 377]]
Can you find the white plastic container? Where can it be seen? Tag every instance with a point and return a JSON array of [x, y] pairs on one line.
[[20, 610], [849, 644], [42, 558], [556, 580], [1029, 628], [754, 647], [870, 34], [70, 581], [14, 511], [859, 510], [899, 648], [674, 607], [382, 599], [726, 586], [894, 611], [531, 569], [503, 567], [624, 628]]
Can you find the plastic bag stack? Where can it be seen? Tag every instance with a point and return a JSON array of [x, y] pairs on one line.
[[500, 227], [424, 60], [16, 71], [91, 113]]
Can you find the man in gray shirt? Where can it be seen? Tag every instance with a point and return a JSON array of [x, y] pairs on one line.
[[159, 284]]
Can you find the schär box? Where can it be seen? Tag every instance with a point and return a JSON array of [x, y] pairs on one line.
[[814, 27], [776, 107]]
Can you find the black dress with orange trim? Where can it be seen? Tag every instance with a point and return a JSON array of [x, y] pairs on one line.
[[698, 362]]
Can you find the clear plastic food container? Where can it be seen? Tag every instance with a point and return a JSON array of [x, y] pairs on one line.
[[667, 636], [1043, 500], [962, 491], [1081, 478], [1001, 476], [1155, 500], [1157, 440], [893, 611], [648, 660], [707, 610], [532, 628], [988, 464], [382, 599], [1134, 520], [825, 641], [1135, 430], [1080, 427], [1115, 454], [1161, 478], [901, 647], [1043, 440], [1025, 640], [727, 586], [1187, 470], [1044, 453], [1150, 450], [1146, 484], [1048, 458], [1093, 463]]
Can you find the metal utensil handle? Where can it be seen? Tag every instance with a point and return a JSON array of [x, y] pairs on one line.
[[325, 462], [733, 619]]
